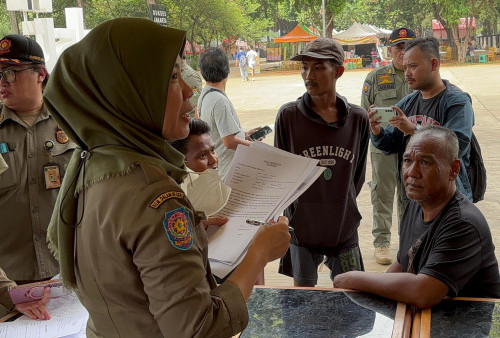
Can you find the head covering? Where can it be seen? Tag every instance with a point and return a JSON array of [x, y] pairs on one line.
[[110, 99], [322, 48], [401, 35], [18, 49]]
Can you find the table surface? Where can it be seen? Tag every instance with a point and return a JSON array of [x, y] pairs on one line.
[[304, 312], [462, 317]]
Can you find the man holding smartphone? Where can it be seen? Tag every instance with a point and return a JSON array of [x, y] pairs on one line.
[[384, 87], [323, 125]]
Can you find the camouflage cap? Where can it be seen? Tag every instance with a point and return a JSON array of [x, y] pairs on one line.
[[322, 48]]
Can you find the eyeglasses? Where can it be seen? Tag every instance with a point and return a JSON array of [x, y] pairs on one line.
[[9, 75]]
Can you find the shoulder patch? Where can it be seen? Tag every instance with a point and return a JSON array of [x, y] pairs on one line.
[[178, 228], [366, 88], [164, 197]]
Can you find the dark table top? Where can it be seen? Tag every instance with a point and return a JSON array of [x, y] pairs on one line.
[[318, 313]]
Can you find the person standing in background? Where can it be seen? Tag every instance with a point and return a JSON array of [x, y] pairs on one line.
[[193, 80], [252, 61], [241, 59], [36, 152], [384, 87]]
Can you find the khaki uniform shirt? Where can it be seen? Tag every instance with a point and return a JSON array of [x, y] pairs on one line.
[[141, 263], [5, 302], [383, 88], [193, 80], [25, 203]]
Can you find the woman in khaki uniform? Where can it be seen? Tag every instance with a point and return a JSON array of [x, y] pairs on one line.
[[126, 237]]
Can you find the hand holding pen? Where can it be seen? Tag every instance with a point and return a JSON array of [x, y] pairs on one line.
[[257, 223]]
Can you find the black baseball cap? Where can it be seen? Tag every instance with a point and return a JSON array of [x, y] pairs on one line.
[[322, 48], [18, 49], [401, 35]]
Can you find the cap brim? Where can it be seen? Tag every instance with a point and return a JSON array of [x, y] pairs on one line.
[[398, 41], [15, 61], [300, 57]]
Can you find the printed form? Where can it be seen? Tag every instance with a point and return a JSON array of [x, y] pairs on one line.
[[264, 181]]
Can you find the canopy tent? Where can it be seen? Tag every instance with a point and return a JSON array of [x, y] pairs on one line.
[[359, 34], [298, 34], [188, 48], [439, 32]]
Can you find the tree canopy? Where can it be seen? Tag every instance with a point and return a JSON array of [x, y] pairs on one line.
[[224, 21]]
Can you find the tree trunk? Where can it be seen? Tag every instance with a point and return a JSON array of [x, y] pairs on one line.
[[81, 4], [14, 25]]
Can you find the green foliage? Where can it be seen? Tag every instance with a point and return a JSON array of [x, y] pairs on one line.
[[4, 20]]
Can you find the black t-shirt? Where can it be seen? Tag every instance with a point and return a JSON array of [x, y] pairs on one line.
[[456, 247]]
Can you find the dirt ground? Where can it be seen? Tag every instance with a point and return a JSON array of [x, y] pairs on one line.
[[257, 103]]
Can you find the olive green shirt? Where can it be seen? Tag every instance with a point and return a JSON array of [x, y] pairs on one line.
[[383, 88], [25, 203], [5, 302], [141, 263]]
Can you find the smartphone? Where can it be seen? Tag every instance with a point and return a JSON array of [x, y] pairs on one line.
[[261, 133], [385, 112], [34, 291]]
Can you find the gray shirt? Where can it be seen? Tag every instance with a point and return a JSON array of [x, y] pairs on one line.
[[218, 112]]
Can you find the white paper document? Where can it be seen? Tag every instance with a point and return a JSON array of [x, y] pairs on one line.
[[264, 181], [68, 319]]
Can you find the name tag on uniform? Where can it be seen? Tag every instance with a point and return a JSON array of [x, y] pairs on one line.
[[52, 176]]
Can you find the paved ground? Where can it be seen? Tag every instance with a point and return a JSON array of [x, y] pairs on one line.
[[258, 102]]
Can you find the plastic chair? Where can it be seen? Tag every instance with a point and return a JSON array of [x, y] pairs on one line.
[[469, 59], [350, 65], [483, 58]]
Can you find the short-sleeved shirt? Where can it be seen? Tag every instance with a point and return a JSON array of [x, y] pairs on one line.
[[141, 263], [252, 57], [455, 247], [25, 203], [218, 112]]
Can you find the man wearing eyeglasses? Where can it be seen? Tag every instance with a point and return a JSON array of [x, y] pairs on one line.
[[384, 87], [36, 152]]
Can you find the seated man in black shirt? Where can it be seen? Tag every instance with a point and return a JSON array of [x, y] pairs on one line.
[[445, 245]]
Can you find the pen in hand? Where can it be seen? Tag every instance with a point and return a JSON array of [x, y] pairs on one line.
[[256, 222]]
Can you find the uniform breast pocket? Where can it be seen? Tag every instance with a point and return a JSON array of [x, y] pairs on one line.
[[61, 154], [9, 179], [388, 94]]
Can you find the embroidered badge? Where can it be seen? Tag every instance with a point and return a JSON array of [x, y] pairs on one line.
[[327, 174], [389, 70], [403, 33], [178, 228], [165, 196], [5, 46], [61, 136], [366, 88], [386, 81]]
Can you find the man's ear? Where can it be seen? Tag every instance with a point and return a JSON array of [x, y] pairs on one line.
[[435, 64], [454, 170], [339, 71]]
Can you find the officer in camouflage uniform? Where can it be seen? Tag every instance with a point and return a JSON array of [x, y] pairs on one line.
[[384, 87]]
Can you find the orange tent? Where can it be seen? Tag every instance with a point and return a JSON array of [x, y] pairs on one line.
[[298, 34]]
